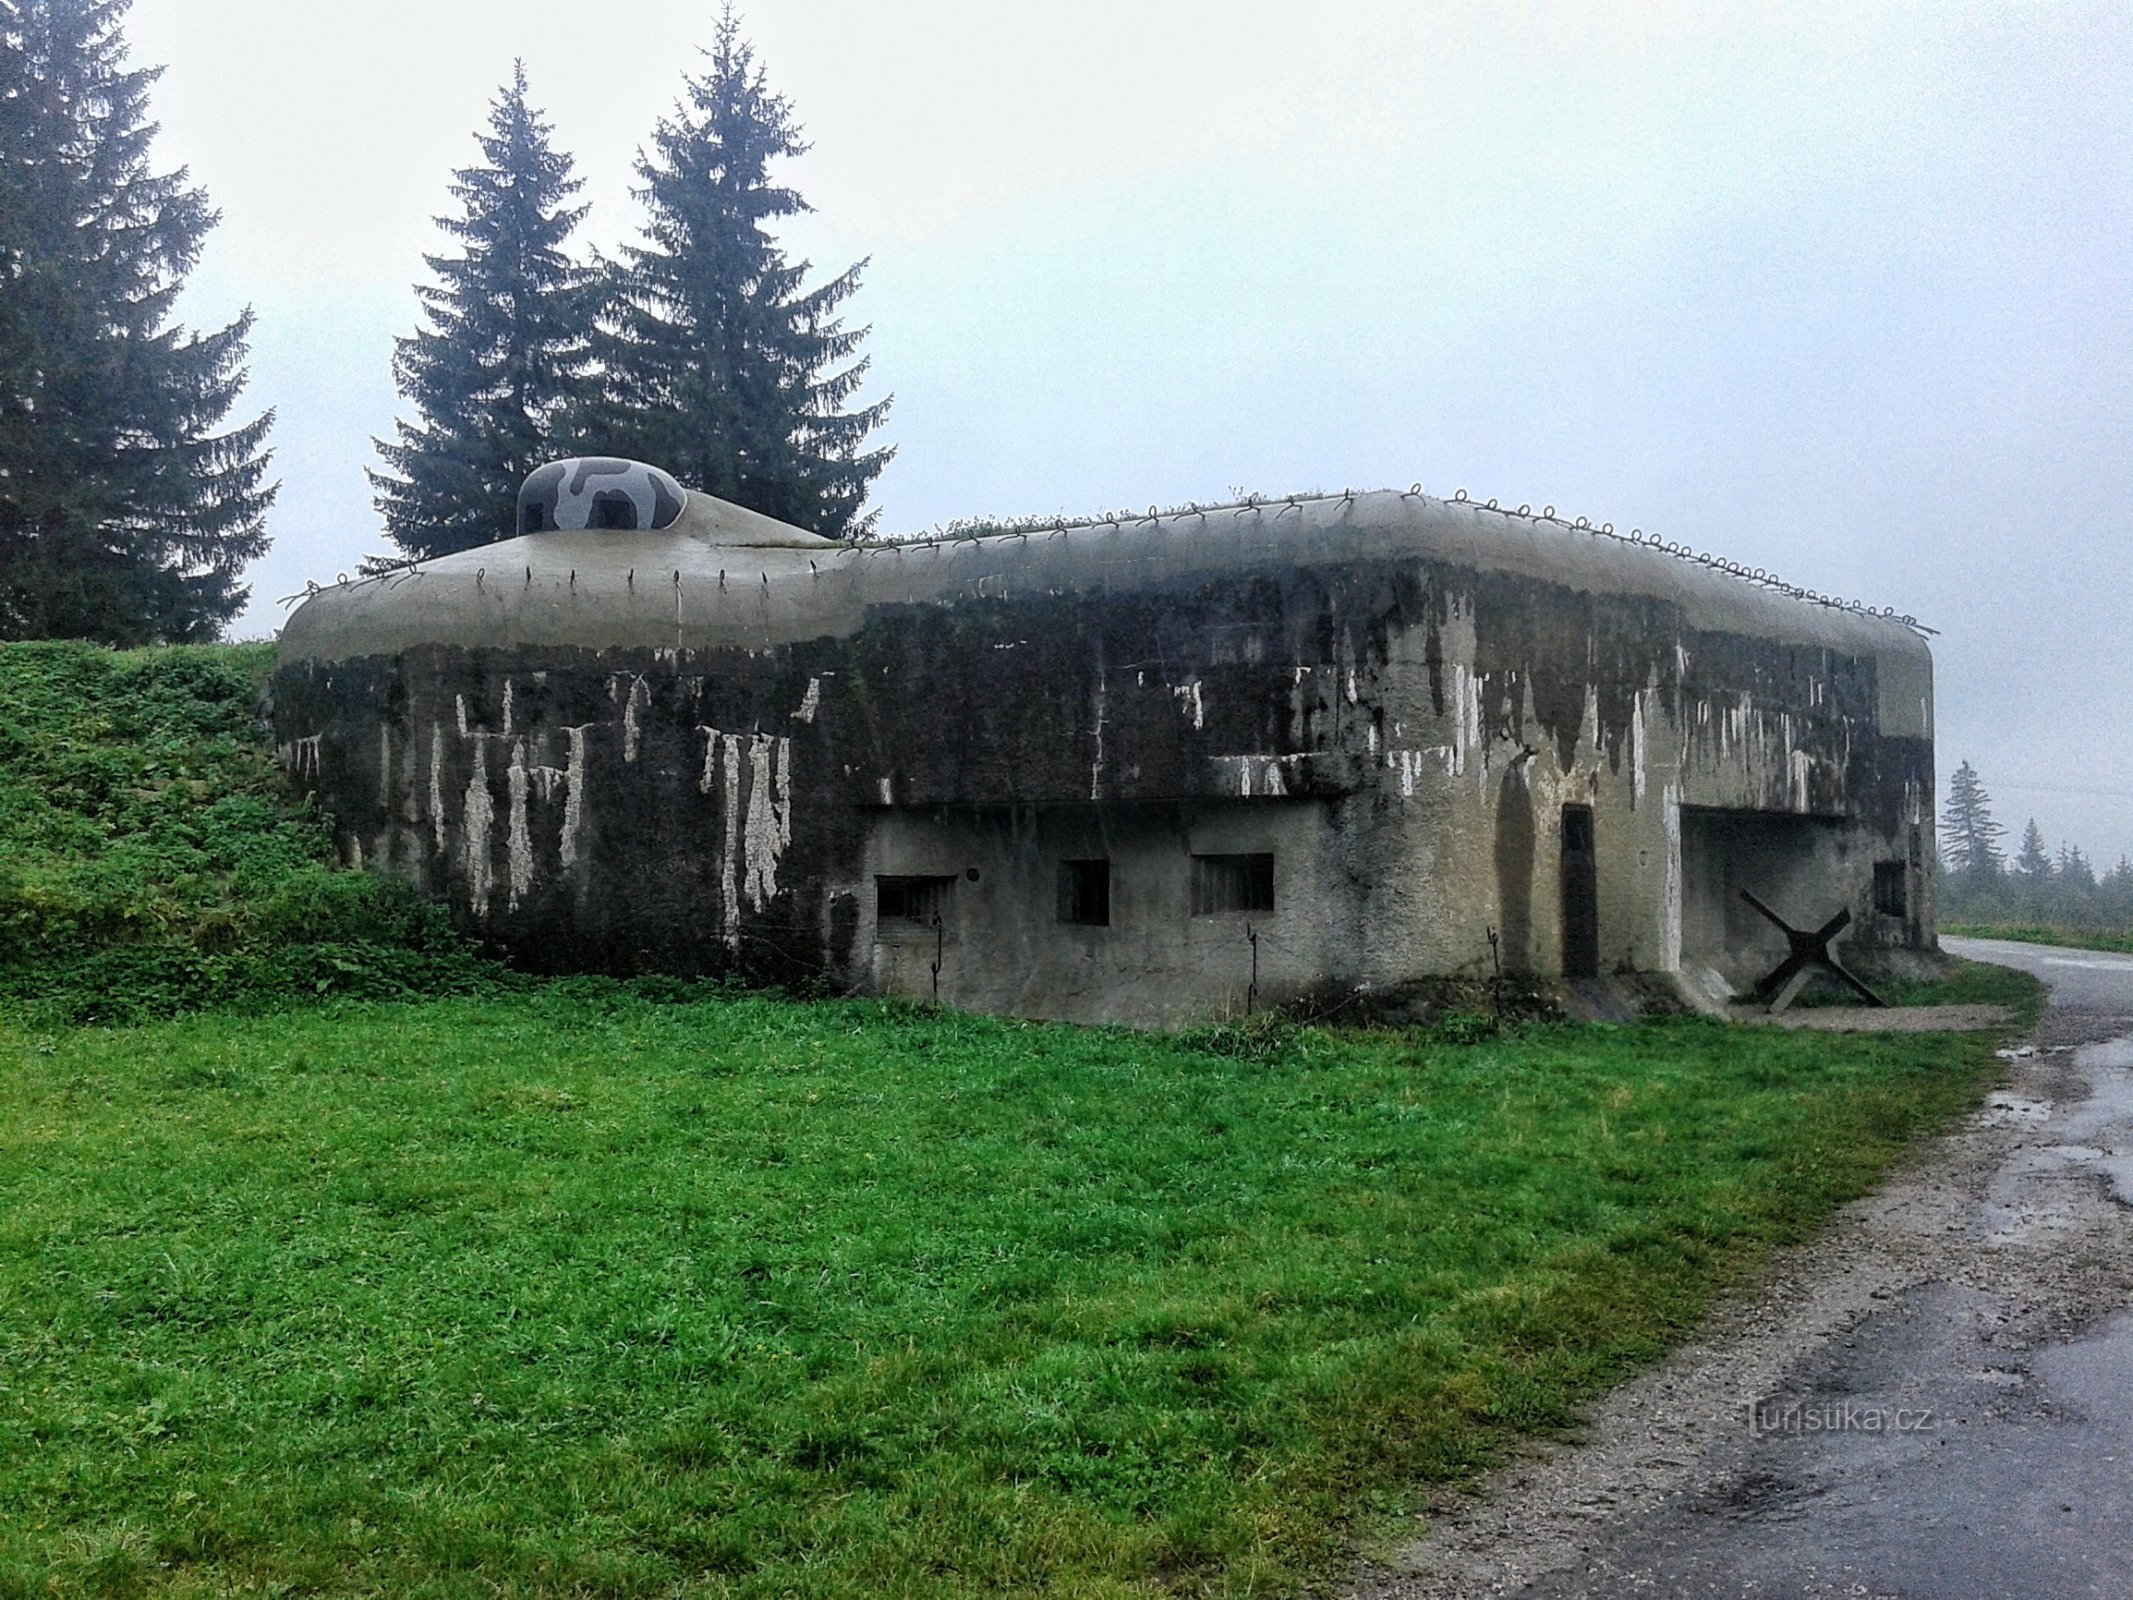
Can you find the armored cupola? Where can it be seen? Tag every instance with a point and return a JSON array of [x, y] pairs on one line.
[[606, 494], [598, 492]]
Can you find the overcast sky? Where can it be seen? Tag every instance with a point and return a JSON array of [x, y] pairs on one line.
[[1840, 291]]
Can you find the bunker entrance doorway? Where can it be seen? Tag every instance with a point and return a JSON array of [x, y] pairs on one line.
[[1581, 895], [1793, 864]]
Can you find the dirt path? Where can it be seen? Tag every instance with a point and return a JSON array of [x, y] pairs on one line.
[[1934, 1398]]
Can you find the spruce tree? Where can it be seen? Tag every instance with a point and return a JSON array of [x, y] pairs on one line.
[[1969, 835], [124, 515], [2074, 870], [2033, 862], [506, 345], [719, 365]]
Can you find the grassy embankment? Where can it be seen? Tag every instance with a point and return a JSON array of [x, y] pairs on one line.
[[584, 1287], [2065, 938], [151, 863]]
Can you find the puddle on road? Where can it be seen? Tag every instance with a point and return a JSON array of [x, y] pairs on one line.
[[2094, 1373], [2000, 1109], [2093, 1136], [2111, 1055], [2104, 1121]]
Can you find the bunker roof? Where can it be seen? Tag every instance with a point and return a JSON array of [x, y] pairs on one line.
[[724, 577]]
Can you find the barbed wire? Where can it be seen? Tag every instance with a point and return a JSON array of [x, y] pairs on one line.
[[969, 530]]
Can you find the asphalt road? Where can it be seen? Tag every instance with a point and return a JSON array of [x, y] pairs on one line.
[[1934, 1401], [2088, 983]]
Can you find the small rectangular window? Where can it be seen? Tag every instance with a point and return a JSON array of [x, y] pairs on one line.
[[1891, 888], [1085, 893], [1232, 883], [912, 900]]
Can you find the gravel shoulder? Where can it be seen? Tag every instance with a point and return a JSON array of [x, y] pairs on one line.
[[1928, 1399]]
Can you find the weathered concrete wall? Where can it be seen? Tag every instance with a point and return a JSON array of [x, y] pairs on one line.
[[629, 750]]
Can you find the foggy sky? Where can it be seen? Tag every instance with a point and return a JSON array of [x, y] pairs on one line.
[[1839, 292]]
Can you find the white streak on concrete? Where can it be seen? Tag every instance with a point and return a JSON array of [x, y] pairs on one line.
[[518, 840], [460, 701], [888, 797], [385, 767], [1411, 765], [507, 708], [1467, 689], [437, 782], [1259, 775], [300, 758], [767, 829], [811, 702], [1636, 749], [1670, 931], [481, 814], [574, 794], [640, 697], [1096, 767], [783, 793], [729, 899]]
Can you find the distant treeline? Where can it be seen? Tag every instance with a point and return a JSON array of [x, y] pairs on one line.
[[2038, 887]]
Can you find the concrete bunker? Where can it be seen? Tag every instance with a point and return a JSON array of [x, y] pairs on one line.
[[1144, 770]]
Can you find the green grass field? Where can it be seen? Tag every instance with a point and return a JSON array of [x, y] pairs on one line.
[[2029, 933], [589, 1288], [583, 1293]]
